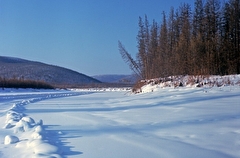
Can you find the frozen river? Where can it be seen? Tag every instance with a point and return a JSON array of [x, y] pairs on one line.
[[171, 123]]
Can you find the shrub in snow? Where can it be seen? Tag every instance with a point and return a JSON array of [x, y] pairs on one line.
[[38, 132], [29, 120], [36, 135], [38, 129], [40, 122], [41, 147], [10, 139], [19, 130], [14, 116], [8, 125], [22, 126], [45, 148]]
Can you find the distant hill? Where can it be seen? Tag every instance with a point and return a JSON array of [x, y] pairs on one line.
[[123, 79], [31, 70]]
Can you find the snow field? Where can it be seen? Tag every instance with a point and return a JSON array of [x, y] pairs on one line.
[[169, 122], [180, 122]]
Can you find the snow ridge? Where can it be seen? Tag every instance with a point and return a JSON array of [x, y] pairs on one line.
[[187, 81], [28, 133]]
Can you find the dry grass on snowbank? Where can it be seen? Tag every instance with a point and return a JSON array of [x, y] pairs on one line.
[[187, 81]]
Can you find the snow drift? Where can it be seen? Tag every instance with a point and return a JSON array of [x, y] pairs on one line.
[[27, 134]]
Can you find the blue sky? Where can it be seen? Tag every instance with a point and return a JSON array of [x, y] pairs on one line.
[[78, 34]]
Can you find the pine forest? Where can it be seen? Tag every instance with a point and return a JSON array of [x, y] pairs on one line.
[[204, 40]]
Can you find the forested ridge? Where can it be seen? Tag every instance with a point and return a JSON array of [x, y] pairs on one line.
[[21, 73], [204, 40]]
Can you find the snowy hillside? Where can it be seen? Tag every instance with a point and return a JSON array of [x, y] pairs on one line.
[[19, 68], [170, 122]]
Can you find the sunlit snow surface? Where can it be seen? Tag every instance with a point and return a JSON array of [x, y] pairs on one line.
[[166, 123]]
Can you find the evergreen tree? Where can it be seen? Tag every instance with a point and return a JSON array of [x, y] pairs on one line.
[[203, 42], [163, 48], [198, 39], [235, 32], [153, 68], [171, 41], [183, 48], [212, 8]]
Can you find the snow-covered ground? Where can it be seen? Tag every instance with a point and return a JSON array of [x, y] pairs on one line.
[[168, 123]]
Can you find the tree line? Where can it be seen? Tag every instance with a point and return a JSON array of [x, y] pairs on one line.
[[21, 83], [202, 41]]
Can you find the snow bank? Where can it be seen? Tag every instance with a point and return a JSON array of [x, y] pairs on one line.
[[10, 139], [151, 85], [111, 89], [29, 135]]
